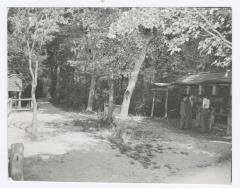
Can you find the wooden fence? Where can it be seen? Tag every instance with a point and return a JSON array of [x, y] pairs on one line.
[[19, 105], [9, 106]]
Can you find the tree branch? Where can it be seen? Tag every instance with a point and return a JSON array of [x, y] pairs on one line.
[[36, 72], [219, 35], [30, 61], [35, 34]]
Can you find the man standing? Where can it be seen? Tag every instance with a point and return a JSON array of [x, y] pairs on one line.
[[204, 120], [185, 108], [189, 106]]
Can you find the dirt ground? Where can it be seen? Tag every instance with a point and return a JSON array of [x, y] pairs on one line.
[[156, 152]]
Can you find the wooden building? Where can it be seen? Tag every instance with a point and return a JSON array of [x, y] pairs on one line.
[[217, 86], [15, 87]]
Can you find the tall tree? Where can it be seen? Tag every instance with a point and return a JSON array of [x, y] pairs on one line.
[[95, 24], [32, 29], [141, 25], [212, 27]]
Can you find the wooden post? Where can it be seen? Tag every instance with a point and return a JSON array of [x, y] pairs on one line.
[[229, 116], [214, 90], [229, 122], [166, 104], [230, 92], [105, 109], [198, 116], [19, 97], [153, 101], [212, 119], [16, 162], [200, 90], [188, 90], [9, 106]]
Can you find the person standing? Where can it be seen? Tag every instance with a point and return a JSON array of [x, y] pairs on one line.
[[184, 112], [204, 120], [189, 106]]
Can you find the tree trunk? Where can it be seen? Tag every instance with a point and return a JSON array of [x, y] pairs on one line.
[[132, 82], [34, 118], [34, 103], [153, 104], [111, 95], [166, 104], [58, 81], [91, 92]]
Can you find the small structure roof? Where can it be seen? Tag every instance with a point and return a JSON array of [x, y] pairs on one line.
[[163, 84], [14, 82], [200, 78]]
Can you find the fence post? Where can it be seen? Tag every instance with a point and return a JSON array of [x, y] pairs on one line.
[[16, 161], [9, 105], [19, 102], [31, 106], [153, 104]]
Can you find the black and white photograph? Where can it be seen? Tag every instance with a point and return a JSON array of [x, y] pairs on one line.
[[119, 94]]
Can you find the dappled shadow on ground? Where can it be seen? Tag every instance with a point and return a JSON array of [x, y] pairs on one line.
[[73, 146], [158, 145], [145, 155], [151, 155], [172, 125]]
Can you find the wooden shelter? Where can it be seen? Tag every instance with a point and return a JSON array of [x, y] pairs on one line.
[[218, 86], [15, 83], [15, 87]]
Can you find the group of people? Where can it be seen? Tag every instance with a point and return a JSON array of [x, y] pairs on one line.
[[202, 106]]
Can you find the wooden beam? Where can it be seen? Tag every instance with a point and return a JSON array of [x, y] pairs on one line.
[[229, 122], [153, 104], [200, 90], [214, 90], [188, 89], [166, 104], [19, 97], [230, 92]]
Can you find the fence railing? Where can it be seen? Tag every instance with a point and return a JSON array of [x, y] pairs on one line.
[[9, 106], [19, 105]]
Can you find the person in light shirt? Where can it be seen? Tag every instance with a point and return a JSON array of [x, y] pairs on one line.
[[205, 103], [205, 114]]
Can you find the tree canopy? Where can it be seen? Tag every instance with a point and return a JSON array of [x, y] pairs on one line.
[[87, 50]]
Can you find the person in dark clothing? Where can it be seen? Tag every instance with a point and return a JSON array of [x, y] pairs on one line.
[[189, 106], [182, 113], [185, 112], [205, 114], [188, 113]]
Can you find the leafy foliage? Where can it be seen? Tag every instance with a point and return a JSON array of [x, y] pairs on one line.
[[211, 27], [107, 42]]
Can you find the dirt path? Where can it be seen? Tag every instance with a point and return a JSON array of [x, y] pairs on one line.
[[158, 153]]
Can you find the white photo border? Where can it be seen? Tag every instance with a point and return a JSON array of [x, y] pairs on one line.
[[4, 4]]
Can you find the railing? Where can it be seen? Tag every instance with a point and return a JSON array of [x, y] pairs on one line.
[[9, 106], [19, 105]]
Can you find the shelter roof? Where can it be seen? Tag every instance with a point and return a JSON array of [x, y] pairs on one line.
[[14, 82], [206, 78]]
